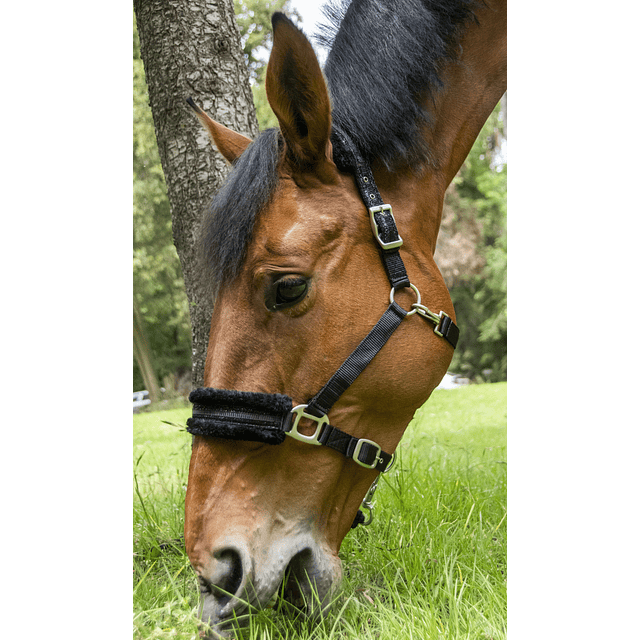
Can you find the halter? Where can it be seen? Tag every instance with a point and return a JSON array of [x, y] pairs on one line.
[[270, 417]]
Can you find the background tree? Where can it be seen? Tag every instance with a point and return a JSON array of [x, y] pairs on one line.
[[193, 49], [472, 253], [159, 297], [142, 355]]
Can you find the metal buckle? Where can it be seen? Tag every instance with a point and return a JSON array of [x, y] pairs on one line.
[[442, 315], [392, 463], [376, 231], [358, 448], [368, 504], [297, 413]]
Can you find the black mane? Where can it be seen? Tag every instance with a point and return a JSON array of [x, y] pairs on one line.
[[385, 58]]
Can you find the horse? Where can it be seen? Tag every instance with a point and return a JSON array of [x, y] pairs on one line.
[[332, 323]]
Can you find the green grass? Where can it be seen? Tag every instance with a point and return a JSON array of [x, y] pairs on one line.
[[432, 565]]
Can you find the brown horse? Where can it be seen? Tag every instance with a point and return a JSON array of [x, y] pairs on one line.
[[300, 283]]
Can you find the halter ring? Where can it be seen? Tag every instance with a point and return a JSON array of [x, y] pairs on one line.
[[415, 290]]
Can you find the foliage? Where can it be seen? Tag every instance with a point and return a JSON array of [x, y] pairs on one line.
[[481, 300], [431, 565], [157, 277], [256, 35]]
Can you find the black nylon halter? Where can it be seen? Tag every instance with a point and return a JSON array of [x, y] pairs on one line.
[[269, 418]]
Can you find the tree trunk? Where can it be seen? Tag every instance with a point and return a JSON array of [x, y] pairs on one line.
[[142, 354], [192, 49]]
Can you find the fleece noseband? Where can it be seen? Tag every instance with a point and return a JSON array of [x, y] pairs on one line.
[[239, 415], [271, 417]]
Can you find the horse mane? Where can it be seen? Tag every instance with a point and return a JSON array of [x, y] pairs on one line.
[[384, 65], [385, 59]]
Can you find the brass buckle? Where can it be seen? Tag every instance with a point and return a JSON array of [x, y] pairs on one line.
[[442, 315], [358, 448], [376, 231], [297, 413]]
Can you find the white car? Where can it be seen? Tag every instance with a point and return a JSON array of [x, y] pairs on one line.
[[452, 381], [140, 399]]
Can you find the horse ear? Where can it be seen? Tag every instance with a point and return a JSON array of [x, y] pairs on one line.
[[298, 94], [230, 144]]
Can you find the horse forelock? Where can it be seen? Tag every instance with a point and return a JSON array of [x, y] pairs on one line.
[[231, 216]]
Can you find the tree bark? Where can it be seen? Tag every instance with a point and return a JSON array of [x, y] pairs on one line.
[[192, 49]]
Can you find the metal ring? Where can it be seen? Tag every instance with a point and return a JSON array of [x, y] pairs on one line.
[[415, 290], [392, 463], [366, 523]]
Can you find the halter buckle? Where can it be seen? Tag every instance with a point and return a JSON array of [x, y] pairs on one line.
[[442, 315], [386, 209], [358, 448], [297, 413]]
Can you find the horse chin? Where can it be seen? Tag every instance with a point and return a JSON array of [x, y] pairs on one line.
[[306, 582]]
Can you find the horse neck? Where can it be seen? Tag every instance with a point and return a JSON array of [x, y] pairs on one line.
[[472, 86]]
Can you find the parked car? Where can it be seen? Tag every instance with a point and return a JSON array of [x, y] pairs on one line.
[[453, 381], [140, 399]]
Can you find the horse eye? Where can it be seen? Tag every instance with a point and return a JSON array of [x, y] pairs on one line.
[[286, 292]]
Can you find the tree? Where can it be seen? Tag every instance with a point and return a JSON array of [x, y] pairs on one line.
[[159, 297], [192, 49], [472, 254]]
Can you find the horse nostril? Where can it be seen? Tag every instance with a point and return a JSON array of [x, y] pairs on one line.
[[226, 578], [297, 584]]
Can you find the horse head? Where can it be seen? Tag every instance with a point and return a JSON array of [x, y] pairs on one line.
[[299, 284]]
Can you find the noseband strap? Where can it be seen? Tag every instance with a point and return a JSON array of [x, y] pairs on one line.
[[270, 417]]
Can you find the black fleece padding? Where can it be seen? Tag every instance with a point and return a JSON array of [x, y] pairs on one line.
[[239, 415]]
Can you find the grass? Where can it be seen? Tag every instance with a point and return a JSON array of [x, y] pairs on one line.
[[431, 566]]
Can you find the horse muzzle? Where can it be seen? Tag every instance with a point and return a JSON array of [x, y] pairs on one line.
[[238, 579]]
